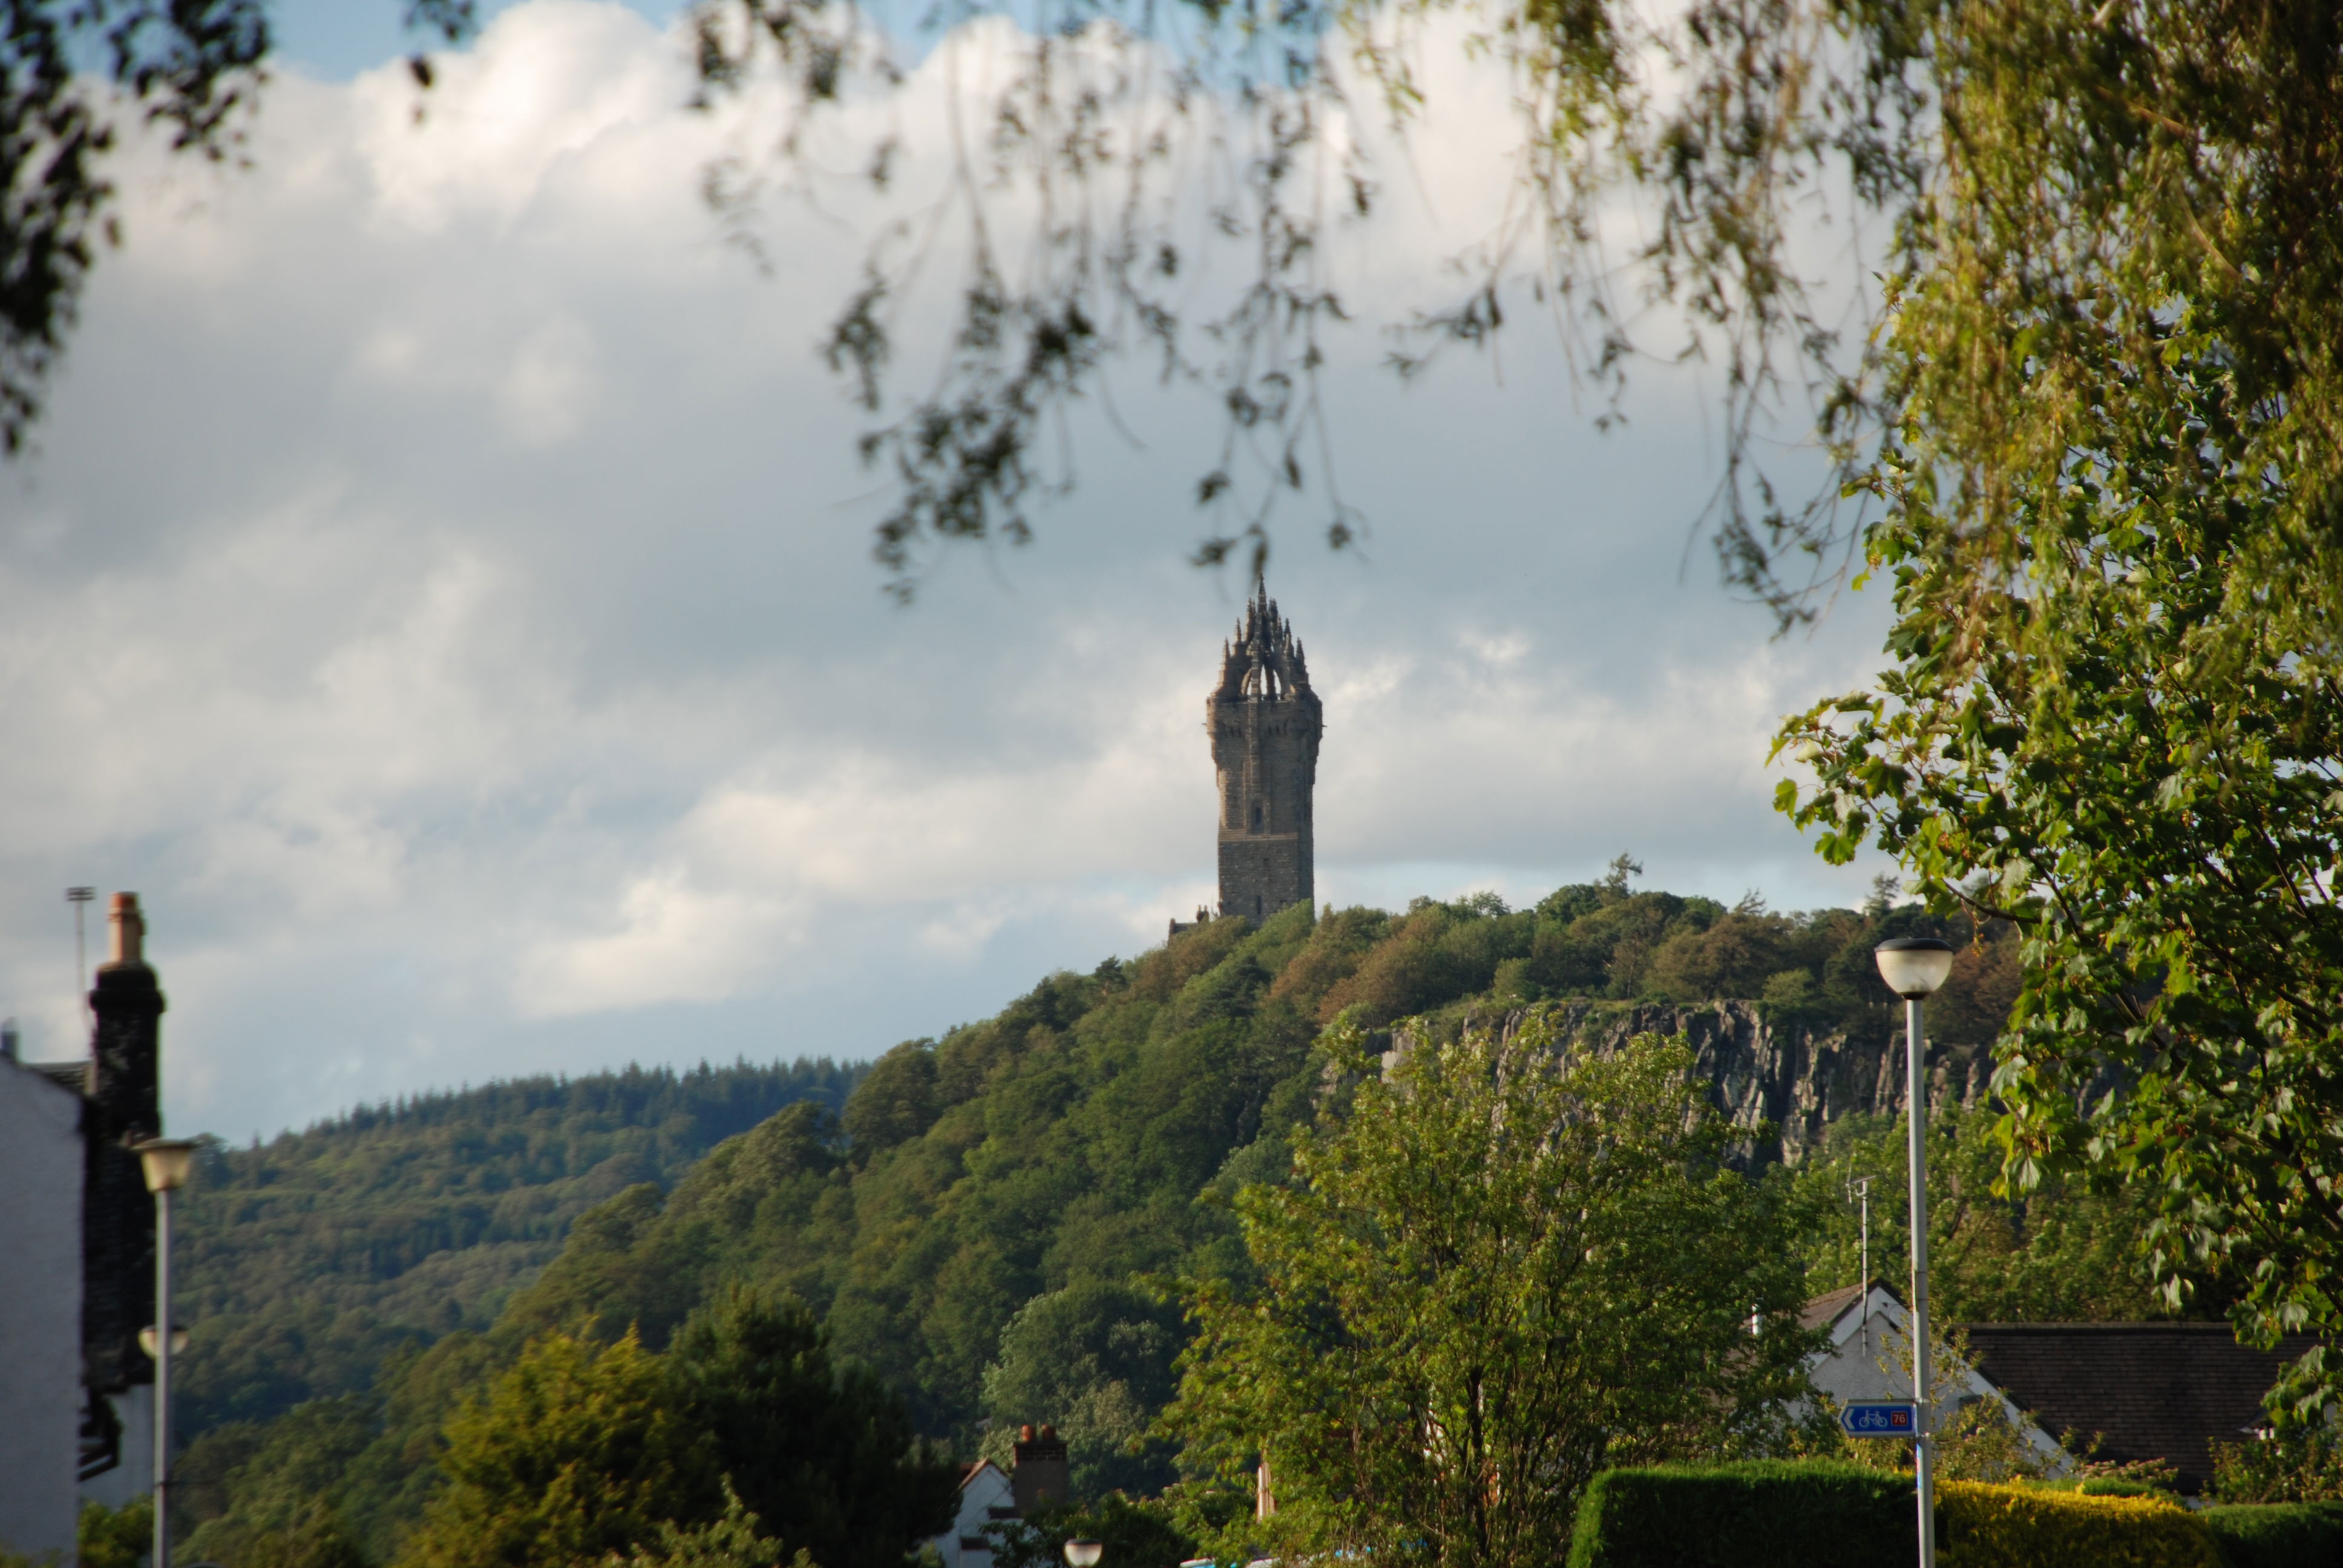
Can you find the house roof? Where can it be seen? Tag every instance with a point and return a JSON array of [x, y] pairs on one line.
[[2149, 1391], [1826, 1310], [72, 1075]]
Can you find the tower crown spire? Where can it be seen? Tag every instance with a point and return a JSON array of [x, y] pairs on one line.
[[1265, 722], [1263, 660]]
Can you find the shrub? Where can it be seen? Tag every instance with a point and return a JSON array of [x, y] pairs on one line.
[[2277, 1536], [2293, 1469], [117, 1537], [1822, 1515], [1984, 1525], [1760, 1514]]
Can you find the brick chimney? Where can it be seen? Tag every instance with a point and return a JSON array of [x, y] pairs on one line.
[[1039, 1474], [123, 1107]]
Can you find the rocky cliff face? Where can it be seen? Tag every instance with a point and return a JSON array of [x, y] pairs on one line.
[[1777, 1070]]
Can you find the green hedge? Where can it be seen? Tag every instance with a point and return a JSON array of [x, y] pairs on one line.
[[1754, 1515], [1770, 1514], [2278, 1534], [1983, 1525]]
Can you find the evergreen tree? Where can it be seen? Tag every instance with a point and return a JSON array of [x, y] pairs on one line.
[[825, 1457]]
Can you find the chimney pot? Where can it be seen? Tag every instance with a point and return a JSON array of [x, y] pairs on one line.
[[128, 927], [1040, 1473]]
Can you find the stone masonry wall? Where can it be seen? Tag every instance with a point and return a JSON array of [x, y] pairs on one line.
[[1265, 753]]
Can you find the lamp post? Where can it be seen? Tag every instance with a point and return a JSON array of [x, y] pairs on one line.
[[1913, 967], [1084, 1553], [168, 1161]]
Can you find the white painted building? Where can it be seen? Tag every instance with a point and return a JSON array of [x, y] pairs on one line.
[[78, 1259], [985, 1495], [1869, 1357], [41, 1173]]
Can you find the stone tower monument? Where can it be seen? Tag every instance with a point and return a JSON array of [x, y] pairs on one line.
[[1265, 722]]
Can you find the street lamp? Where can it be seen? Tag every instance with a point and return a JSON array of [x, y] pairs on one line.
[[1913, 967], [1084, 1553], [168, 1162], [147, 1339]]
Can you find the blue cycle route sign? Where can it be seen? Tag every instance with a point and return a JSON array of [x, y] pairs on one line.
[[1880, 1418]]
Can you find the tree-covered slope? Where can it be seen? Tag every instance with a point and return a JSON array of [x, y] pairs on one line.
[[306, 1261], [992, 1221], [1077, 1141]]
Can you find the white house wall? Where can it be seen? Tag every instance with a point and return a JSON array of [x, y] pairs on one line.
[[986, 1495], [133, 1477], [40, 1312], [1869, 1358]]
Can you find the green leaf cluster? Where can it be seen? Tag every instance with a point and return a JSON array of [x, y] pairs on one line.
[[1498, 1269], [2060, 1252], [579, 1451], [2135, 756], [741, 1445]]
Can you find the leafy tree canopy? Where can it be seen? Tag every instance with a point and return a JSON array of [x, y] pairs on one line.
[[824, 1457], [2066, 190], [578, 1450], [1096, 1358], [1496, 1272], [2135, 757]]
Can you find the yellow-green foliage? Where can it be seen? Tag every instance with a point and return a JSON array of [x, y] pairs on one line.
[[1984, 1525], [577, 1451], [120, 1537]]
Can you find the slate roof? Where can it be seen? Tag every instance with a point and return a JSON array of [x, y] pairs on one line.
[[2151, 1391], [1825, 1310], [72, 1075]]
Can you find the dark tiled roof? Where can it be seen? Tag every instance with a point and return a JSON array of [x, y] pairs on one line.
[[72, 1075], [2152, 1390], [1822, 1311]]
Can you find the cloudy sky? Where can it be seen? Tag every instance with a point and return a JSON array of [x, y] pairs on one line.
[[442, 591]]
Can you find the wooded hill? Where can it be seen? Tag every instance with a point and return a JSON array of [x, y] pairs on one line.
[[306, 1261], [992, 1221]]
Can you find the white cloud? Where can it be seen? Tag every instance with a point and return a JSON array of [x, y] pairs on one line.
[[551, 386], [443, 594], [676, 944]]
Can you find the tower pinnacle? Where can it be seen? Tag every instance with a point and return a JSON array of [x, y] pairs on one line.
[[1265, 722]]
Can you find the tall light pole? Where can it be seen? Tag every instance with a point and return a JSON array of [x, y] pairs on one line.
[[1913, 967], [1859, 1189], [79, 899], [168, 1161]]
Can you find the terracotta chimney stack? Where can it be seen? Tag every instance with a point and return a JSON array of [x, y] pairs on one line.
[[1038, 1473], [129, 931]]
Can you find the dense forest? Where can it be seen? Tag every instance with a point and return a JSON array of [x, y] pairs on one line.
[[308, 1262], [995, 1223]]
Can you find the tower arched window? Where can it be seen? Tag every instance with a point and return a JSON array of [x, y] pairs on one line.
[[1256, 816]]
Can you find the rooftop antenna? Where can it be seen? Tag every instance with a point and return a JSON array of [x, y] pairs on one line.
[[79, 899], [1859, 1189]]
